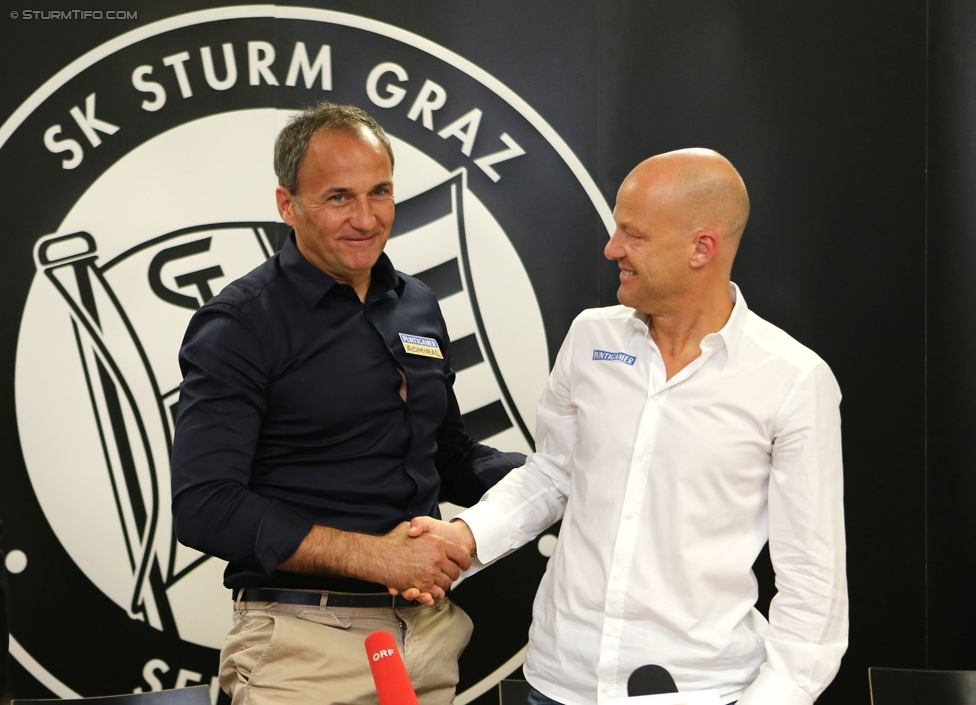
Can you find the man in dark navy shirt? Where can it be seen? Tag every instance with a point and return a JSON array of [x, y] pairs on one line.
[[317, 417]]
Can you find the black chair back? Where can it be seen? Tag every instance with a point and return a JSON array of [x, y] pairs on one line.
[[512, 692], [903, 686]]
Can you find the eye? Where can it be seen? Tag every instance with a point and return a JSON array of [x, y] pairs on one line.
[[382, 192]]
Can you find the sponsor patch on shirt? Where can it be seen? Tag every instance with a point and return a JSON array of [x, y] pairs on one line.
[[618, 356], [415, 345]]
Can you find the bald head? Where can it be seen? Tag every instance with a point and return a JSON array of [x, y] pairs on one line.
[[702, 190], [680, 217]]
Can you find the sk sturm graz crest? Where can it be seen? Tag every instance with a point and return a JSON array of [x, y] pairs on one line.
[[150, 188]]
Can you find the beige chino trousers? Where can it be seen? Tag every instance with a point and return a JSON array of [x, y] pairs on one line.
[[283, 654]]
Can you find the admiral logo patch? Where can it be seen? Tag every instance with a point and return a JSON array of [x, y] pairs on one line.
[[415, 345]]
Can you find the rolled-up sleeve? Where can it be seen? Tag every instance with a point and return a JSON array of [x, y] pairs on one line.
[[808, 618], [226, 370]]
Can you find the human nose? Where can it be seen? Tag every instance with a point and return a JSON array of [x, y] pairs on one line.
[[614, 250], [363, 216]]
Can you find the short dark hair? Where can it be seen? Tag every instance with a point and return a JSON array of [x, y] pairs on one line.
[[293, 140]]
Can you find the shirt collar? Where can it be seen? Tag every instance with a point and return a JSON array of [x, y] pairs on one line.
[[728, 335], [313, 284], [731, 332]]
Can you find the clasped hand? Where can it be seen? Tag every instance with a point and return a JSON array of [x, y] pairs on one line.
[[430, 557]]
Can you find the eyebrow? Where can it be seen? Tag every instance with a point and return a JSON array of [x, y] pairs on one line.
[[347, 189]]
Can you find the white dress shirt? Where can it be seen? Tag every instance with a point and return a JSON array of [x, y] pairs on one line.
[[668, 490]]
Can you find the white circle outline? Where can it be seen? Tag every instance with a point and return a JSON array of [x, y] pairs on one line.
[[189, 19], [329, 16]]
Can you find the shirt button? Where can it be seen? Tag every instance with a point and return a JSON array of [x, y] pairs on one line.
[[616, 576], [629, 516], [642, 457], [606, 689]]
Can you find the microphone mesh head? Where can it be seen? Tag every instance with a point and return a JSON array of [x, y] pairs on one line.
[[650, 680]]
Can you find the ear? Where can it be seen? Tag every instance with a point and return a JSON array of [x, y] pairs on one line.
[[706, 246], [286, 205]]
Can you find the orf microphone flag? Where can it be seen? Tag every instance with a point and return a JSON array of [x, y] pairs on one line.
[[390, 675]]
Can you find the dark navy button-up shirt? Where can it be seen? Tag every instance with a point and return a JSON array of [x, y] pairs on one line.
[[290, 415]]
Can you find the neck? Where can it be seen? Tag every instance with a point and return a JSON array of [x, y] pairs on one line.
[[359, 280], [679, 329], [361, 287]]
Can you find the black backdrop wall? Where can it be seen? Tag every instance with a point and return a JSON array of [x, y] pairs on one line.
[[951, 313], [823, 108]]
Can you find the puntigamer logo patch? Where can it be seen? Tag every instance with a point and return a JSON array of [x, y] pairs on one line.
[[151, 189], [427, 347], [614, 356]]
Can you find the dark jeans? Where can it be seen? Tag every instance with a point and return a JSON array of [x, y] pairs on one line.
[[537, 698]]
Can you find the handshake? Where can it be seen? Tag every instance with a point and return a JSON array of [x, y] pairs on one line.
[[419, 559], [423, 557]]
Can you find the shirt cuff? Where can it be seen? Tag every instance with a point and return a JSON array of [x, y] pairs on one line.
[[489, 526], [280, 533], [770, 688]]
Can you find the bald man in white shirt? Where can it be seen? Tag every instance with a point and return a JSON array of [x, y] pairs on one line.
[[677, 434]]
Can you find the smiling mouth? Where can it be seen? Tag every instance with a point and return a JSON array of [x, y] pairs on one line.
[[358, 239]]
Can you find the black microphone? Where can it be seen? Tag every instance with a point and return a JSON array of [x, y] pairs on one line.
[[650, 680]]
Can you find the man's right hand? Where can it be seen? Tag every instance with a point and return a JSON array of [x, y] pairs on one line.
[[428, 561], [456, 532]]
